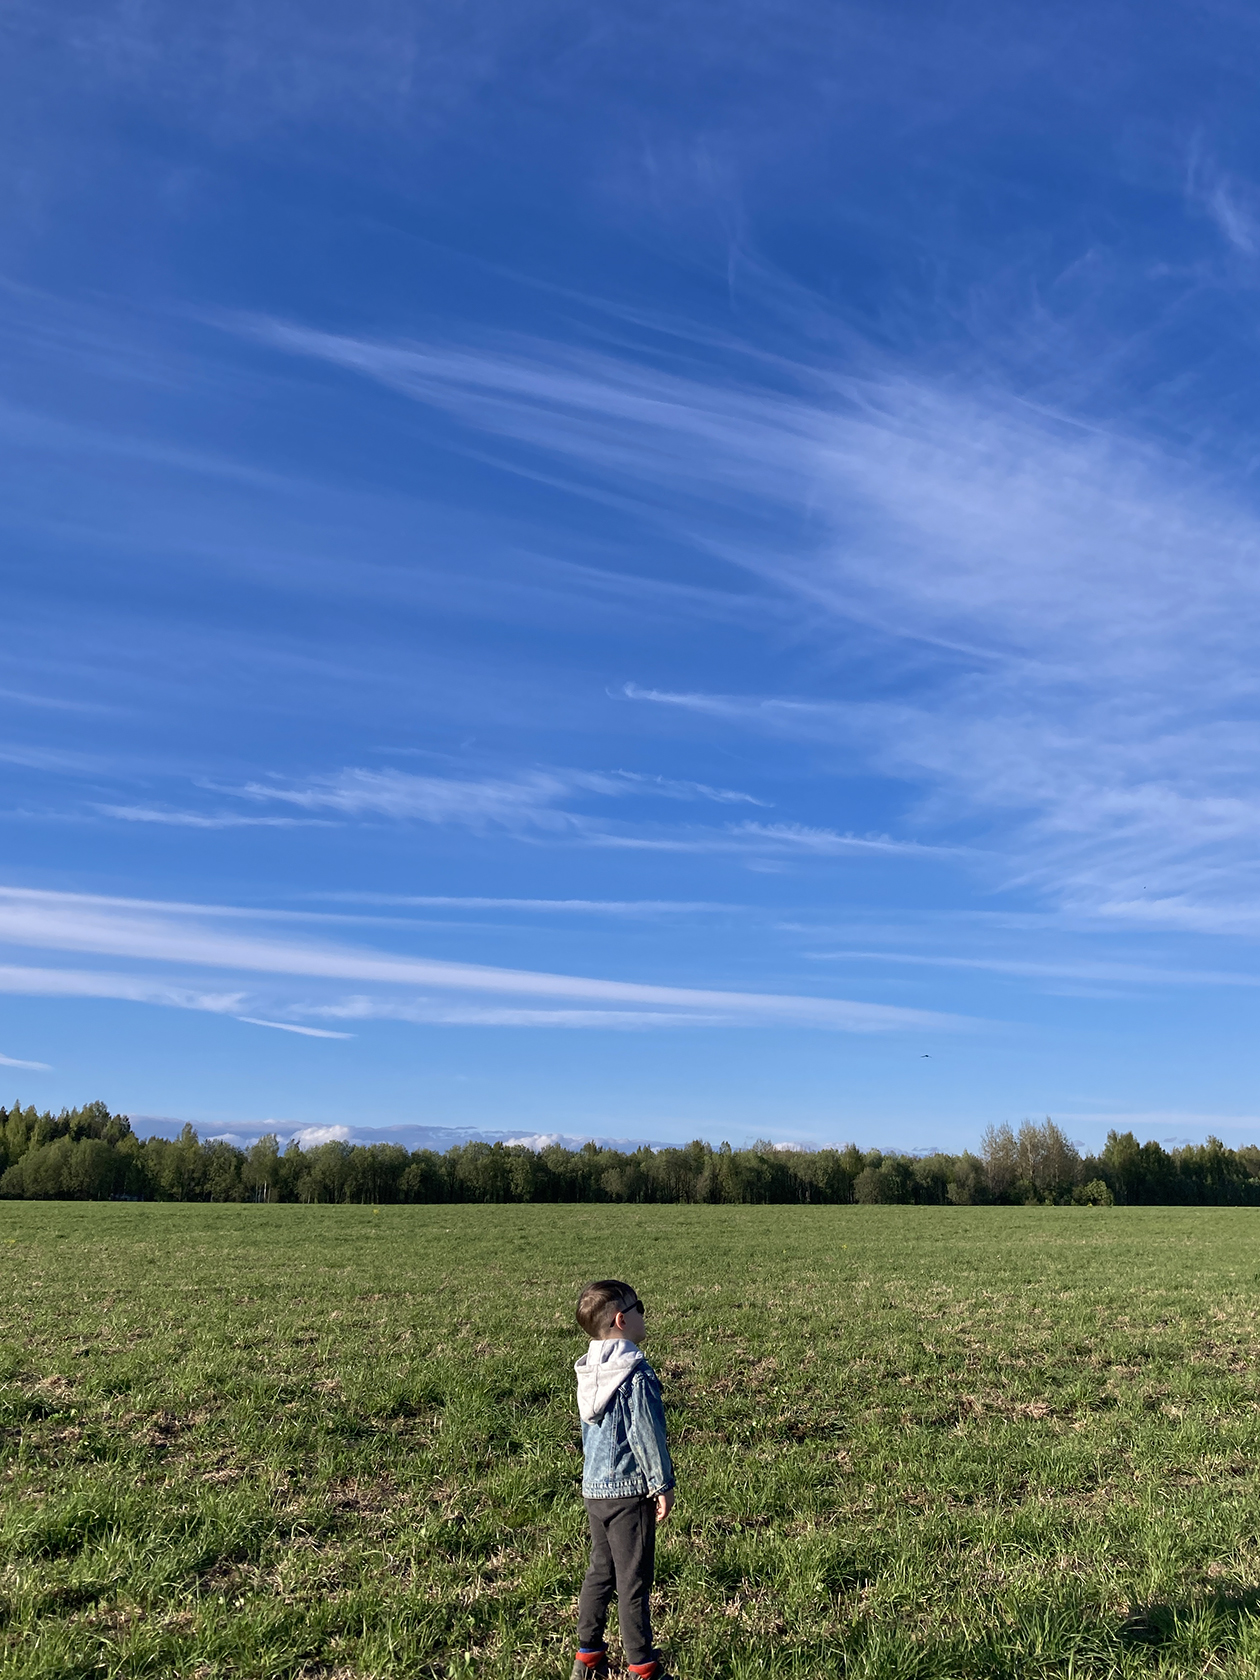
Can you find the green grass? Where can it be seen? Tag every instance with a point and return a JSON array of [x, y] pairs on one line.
[[328, 1441]]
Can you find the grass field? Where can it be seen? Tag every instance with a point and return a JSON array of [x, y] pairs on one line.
[[326, 1441]]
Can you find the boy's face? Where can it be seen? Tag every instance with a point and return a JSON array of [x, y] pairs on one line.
[[630, 1323]]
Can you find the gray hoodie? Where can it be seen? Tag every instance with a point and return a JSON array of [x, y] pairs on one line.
[[600, 1373]]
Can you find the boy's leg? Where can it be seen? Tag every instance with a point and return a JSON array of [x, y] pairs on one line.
[[601, 1577], [631, 1533]]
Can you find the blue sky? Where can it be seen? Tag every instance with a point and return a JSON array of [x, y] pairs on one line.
[[646, 572]]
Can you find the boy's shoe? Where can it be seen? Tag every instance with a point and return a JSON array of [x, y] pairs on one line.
[[590, 1665], [654, 1670]]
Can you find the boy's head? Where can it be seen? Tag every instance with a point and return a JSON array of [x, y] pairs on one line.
[[610, 1309]]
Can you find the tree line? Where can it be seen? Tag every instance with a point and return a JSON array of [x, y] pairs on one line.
[[90, 1154]]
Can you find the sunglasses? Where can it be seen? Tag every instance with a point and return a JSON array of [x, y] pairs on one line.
[[636, 1306]]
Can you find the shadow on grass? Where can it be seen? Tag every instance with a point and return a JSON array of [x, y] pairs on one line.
[[1216, 1620], [1068, 1639]]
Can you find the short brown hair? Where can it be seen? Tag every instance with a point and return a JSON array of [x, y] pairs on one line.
[[599, 1304]]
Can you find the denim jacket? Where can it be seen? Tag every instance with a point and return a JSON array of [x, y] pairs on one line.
[[624, 1451]]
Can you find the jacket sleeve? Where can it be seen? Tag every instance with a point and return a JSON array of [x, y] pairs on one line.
[[646, 1430]]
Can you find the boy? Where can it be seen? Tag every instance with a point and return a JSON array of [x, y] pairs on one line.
[[627, 1479]]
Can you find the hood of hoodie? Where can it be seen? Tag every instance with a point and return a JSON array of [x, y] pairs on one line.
[[600, 1373]]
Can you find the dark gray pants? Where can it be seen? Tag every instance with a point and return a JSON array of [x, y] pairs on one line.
[[623, 1560]]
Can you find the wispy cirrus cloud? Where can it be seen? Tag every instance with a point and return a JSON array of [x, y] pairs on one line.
[[57, 702], [1102, 972], [783, 840], [949, 482], [291, 1027], [532, 803], [17, 1062], [1232, 204], [538, 804], [633, 907], [1103, 813], [169, 818], [827, 842], [1076, 599], [1235, 217], [1150, 1122], [26, 980], [169, 934], [770, 711], [534, 799], [432, 1012]]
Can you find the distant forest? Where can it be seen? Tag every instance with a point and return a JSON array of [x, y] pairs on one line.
[[89, 1154]]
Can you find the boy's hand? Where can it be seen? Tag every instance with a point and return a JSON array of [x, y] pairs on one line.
[[664, 1505]]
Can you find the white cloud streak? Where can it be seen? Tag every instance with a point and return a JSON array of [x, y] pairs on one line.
[[792, 717], [197, 819], [27, 981], [1122, 973], [826, 842], [548, 906], [427, 1012], [289, 1027], [528, 802], [1160, 1119], [175, 934], [532, 800], [56, 703], [33, 1067], [1229, 203], [529, 806], [1235, 219]]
